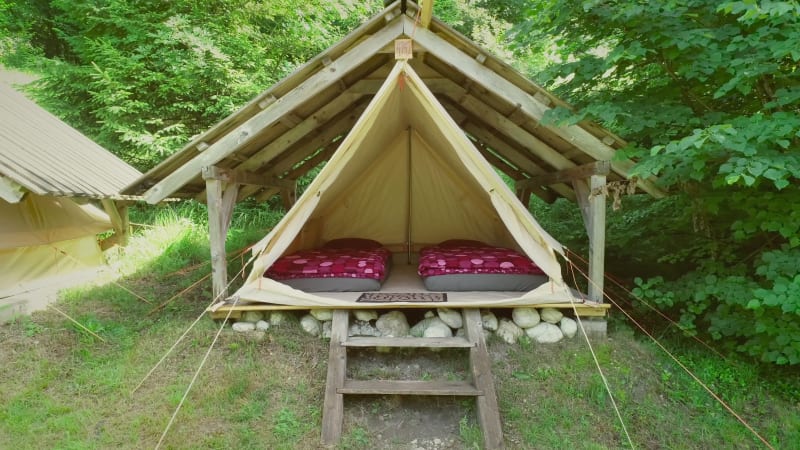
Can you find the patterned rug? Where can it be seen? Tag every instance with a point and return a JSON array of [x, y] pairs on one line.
[[391, 297]]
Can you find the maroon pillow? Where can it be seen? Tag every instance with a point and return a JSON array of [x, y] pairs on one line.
[[358, 243], [462, 243]]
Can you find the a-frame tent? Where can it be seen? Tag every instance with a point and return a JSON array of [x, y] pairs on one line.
[[291, 128], [406, 176], [48, 226]]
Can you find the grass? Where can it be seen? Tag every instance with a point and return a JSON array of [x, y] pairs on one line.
[[62, 388]]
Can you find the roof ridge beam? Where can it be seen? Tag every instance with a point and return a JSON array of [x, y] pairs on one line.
[[243, 133]]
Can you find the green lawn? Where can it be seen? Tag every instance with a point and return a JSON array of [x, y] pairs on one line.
[[63, 388]]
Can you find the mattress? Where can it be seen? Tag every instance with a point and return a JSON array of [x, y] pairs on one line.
[[475, 266], [333, 269]]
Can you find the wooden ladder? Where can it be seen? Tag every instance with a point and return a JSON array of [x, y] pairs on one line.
[[481, 387]]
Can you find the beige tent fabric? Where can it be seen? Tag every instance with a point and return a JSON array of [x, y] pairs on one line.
[[406, 176], [46, 237]]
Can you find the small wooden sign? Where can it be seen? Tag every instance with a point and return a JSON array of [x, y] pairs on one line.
[[403, 49]]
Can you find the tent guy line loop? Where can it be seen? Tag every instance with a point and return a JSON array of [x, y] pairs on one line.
[[682, 366], [597, 362]]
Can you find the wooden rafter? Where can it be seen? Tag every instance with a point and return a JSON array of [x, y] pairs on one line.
[[530, 106], [569, 175], [243, 133]]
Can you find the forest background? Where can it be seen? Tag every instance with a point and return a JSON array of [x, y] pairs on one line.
[[707, 93]]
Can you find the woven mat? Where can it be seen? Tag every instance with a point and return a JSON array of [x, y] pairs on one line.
[[391, 297]]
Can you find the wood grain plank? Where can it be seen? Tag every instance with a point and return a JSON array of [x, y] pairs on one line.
[[487, 407], [333, 406], [409, 387]]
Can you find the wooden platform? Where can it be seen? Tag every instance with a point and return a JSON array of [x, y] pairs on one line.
[[481, 386], [586, 309]]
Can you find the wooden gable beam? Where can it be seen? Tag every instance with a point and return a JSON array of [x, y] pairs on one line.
[[530, 106], [243, 133], [569, 175]]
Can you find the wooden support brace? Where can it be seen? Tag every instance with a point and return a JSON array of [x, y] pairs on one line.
[[244, 177], [333, 404], [487, 407], [597, 237], [220, 201], [591, 198], [118, 212], [568, 175]]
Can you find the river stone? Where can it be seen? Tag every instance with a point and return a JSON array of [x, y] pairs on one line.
[[365, 315], [429, 314], [569, 327], [418, 330], [322, 314], [278, 318], [326, 329], [451, 317], [525, 317], [551, 315], [393, 324], [508, 331], [362, 328], [545, 333], [437, 328], [262, 325], [252, 316], [311, 325], [489, 321], [244, 326]]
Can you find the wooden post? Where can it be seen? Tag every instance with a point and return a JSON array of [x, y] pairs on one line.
[[118, 212], [597, 236], [221, 200]]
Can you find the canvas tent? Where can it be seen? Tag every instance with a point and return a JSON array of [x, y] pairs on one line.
[[49, 172], [311, 115], [405, 176]]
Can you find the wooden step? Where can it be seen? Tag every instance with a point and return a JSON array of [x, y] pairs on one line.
[[409, 387], [408, 342]]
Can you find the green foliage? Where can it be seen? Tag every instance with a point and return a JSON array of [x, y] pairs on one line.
[[708, 94], [148, 75]]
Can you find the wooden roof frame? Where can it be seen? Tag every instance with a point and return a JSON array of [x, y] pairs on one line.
[[312, 108]]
